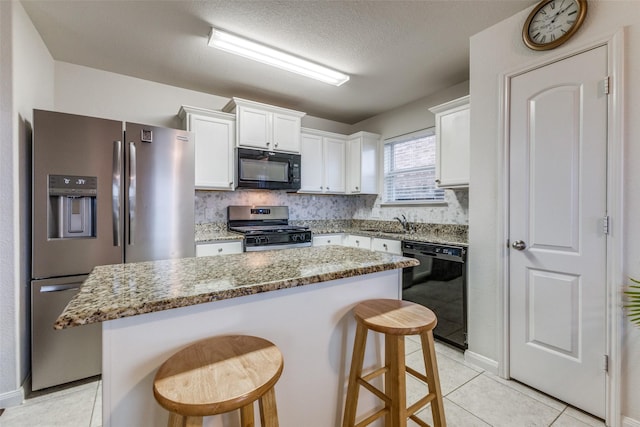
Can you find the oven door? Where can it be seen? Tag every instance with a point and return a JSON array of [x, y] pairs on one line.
[[439, 283], [268, 170]]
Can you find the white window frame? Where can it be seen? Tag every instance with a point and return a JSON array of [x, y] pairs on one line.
[[386, 200]]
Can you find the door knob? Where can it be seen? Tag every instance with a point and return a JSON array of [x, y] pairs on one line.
[[519, 245]]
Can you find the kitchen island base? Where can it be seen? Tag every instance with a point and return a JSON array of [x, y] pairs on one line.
[[312, 325]]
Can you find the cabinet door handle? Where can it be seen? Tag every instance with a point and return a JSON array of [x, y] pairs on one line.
[[276, 144], [219, 250], [356, 188], [231, 183], [384, 245], [437, 181], [268, 143], [329, 241]]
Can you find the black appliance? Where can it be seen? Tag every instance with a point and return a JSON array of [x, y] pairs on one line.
[[268, 170], [439, 283], [266, 228]]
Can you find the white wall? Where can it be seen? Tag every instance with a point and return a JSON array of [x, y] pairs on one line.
[[92, 92], [406, 119], [499, 50], [27, 83]]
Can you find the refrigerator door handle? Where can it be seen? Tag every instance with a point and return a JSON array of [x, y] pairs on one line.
[[132, 192], [60, 288], [115, 190]]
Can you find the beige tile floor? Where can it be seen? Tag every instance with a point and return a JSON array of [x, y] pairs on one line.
[[472, 398]]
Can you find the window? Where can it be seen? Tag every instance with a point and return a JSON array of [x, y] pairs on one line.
[[410, 168]]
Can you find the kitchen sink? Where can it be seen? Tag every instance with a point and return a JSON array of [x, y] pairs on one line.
[[384, 232]]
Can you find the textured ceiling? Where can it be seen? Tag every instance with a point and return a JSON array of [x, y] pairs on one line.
[[395, 51]]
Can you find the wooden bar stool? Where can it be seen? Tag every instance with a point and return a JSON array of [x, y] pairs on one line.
[[395, 319], [218, 375]]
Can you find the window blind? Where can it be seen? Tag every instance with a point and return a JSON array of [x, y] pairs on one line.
[[410, 168]]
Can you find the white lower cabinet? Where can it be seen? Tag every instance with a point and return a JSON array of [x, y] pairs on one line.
[[358, 241], [328, 239], [387, 245], [222, 248]]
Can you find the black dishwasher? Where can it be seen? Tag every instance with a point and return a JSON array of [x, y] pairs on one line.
[[439, 283]]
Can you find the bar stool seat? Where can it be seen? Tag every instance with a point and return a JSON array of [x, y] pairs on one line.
[[218, 375], [395, 319]]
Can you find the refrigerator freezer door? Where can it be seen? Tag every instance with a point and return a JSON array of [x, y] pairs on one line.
[[160, 194], [86, 149], [58, 357]]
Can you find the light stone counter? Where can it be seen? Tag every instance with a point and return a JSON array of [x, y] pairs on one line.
[[122, 290]]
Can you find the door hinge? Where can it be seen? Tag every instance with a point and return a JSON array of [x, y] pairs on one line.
[[605, 224], [606, 363], [607, 85]]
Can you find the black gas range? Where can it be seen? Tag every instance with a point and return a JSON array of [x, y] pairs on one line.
[[266, 228]]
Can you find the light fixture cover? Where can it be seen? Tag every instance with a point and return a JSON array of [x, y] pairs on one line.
[[267, 55]]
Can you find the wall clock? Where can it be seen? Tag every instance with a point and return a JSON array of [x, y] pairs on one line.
[[553, 22]]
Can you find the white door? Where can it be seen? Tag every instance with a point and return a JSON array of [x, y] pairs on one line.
[[558, 154]]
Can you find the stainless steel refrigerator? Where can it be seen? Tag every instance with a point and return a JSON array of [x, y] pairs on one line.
[[104, 192]]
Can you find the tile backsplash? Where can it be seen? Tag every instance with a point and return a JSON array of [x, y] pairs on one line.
[[211, 206]]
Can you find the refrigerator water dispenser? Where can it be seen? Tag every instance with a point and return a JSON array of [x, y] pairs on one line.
[[72, 206]]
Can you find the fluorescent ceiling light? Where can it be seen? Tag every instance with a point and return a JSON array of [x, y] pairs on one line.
[[252, 50]]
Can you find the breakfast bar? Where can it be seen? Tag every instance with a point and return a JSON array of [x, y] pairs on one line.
[[300, 299]]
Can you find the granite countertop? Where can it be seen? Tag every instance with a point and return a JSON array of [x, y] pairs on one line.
[[451, 234], [121, 290], [415, 236]]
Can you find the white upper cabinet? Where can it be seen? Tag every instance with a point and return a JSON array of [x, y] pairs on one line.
[[322, 169], [266, 127], [214, 147], [363, 163], [334, 164], [453, 139], [311, 164]]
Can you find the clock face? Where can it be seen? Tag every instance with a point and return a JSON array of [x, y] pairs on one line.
[[553, 22]]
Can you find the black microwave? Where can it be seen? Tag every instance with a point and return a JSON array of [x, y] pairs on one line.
[[267, 170]]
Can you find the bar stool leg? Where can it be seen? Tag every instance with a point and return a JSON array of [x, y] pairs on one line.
[[396, 381], [357, 360], [246, 416], [176, 420], [268, 409], [433, 378]]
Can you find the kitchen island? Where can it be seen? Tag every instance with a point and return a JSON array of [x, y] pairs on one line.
[[300, 299]]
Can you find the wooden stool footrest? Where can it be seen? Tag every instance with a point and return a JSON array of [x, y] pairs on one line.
[[371, 418], [421, 403], [419, 421], [375, 373], [417, 374], [375, 390]]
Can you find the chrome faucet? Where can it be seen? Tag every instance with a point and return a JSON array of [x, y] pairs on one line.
[[403, 221]]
